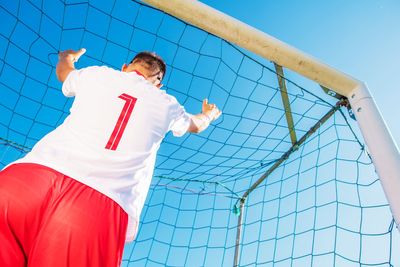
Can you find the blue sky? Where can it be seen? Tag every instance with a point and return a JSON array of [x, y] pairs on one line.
[[301, 213], [358, 37]]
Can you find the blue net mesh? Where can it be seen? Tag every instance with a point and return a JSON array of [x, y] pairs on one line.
[[322, 205]]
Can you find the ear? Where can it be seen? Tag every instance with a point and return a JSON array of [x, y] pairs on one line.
[[124, 67]]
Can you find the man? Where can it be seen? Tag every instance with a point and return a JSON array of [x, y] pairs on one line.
[[77, 196]]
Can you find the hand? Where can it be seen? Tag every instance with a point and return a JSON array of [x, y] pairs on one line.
[[66, 60], [71, 55], [210, 110]]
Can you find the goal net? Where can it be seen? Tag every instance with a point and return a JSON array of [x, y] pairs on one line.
[[283, 178]]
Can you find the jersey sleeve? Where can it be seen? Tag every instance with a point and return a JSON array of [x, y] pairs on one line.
[[180, 120], [71, 83], [77, 78]]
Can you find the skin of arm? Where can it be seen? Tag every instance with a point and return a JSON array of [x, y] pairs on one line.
[[201, 121], [66, 60]]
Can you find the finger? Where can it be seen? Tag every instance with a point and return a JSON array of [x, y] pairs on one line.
[[79, 53], [205, 101]]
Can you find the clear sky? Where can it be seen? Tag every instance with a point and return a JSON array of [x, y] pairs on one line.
[[322, 200], [358, 37]]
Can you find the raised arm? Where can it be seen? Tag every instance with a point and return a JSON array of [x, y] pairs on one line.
[[201, 121], [66, 60]]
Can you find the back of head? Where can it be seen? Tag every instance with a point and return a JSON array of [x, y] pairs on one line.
[[152, 62]]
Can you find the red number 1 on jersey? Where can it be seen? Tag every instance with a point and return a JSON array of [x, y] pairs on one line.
[[123, 119]]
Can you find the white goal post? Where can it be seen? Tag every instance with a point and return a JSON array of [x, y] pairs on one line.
[[383, 149]]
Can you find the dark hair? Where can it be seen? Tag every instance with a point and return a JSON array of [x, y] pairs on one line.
[[151, 61]]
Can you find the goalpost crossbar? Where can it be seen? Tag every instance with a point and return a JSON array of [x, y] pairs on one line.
[[285, 177], [383, 149]]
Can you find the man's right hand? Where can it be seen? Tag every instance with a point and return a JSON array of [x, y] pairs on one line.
[[200, 122], [210, 110]]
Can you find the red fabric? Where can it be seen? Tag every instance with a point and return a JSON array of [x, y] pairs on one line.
[[123, 119], [49, 219], [139, 73]]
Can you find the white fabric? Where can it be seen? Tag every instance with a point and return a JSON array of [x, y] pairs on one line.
[[77, 147]]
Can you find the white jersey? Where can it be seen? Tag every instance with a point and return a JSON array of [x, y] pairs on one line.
[[110, 140]]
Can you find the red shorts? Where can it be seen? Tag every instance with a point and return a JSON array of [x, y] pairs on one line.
[[49, 219]]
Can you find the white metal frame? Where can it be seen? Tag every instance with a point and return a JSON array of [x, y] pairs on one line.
[[383, 149]]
